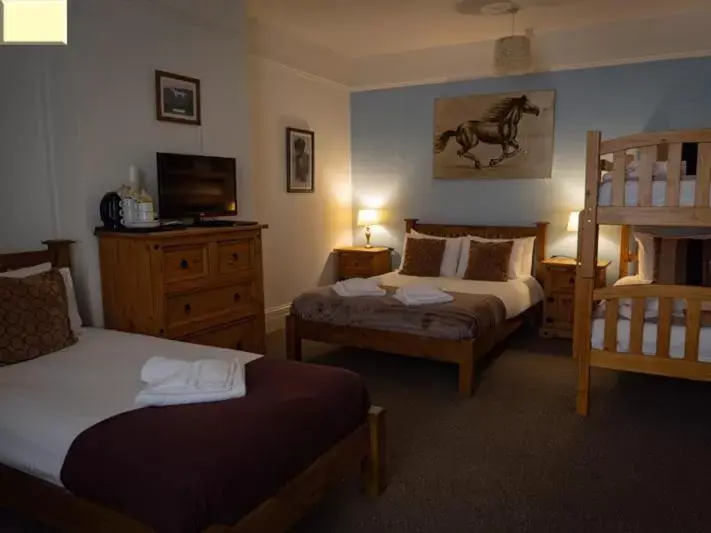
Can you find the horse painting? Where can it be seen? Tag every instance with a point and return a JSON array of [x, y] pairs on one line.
[[499, 126]]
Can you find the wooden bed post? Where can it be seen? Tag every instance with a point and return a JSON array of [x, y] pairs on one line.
[[540, 244], [624, 251], [293, 341], [585, 282], [61, 251], [410, 224], [374, 465]]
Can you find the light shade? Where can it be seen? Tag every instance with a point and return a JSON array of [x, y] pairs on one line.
[[573, 221], [368, 217]]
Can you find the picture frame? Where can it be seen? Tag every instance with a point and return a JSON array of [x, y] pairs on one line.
[[178, 98], [300, 161]]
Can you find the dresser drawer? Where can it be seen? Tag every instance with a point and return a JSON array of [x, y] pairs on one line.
[[236, 336], [183, 263], [197, 310], [234, 256]]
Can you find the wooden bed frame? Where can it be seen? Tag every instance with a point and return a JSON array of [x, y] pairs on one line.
[[652, 147], [362, 451], [464, 353]]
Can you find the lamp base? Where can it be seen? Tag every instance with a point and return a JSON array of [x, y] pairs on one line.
[[367, 237]]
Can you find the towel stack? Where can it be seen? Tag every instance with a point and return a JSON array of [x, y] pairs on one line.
[[359, 287], [422, 295], [175, 382]]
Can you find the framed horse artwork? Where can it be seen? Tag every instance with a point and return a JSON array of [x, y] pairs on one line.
[[494, 136]]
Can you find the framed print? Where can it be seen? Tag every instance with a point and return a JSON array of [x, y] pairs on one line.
[[299, 160], [177, 98]]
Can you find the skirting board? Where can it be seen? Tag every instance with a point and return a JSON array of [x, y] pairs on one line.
[[276, 318]]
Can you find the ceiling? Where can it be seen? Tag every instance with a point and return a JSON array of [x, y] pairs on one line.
[[362, 28]]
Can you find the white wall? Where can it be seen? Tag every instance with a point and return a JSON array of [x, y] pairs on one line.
[[74, 118], [303, 228]]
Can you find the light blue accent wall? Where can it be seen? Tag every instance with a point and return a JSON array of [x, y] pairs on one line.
[[392, 134]]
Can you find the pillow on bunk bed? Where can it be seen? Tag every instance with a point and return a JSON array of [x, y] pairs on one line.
[[645, 256], [450, 258], [651, 307]]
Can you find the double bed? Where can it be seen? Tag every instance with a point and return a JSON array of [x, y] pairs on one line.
[[78, 454], [482, 315]]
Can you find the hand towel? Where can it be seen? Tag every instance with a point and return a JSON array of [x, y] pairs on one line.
[[158, 368], [422, 295], [359, 287]]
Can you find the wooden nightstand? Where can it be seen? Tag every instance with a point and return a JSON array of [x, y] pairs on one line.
[[362, 262], [559, 286]]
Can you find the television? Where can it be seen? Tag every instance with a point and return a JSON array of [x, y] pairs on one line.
[[196, 186]]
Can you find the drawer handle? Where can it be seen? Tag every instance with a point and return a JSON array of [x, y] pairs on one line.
[[572, 281], [549, 319], [237, 297], [184, 264], [187, 309], [235, 256], [551, 299], [356, 264], [239, 345]]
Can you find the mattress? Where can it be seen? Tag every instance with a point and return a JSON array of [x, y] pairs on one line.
[[517, 295], [47, 402], [687, 191], [649, 339]]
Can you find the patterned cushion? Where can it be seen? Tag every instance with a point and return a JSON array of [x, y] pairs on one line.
[[489, 261], [34, 318], [423, 257]]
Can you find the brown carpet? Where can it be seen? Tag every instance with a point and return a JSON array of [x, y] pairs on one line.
[[516, 458]]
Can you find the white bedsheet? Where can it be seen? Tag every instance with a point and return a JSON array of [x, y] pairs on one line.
[[518, 295], [649, 339], [47, 402], [687, 191]]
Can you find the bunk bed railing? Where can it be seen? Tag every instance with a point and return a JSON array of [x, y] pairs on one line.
[[660, 362]]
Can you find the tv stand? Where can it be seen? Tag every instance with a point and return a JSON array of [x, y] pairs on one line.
[[202, 223]]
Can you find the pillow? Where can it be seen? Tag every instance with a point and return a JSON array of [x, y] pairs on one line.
[[651, 307], [520, 263], [489, 261], [448, 268], [645, 256], [72, 306], [34, 320], [423, 257]]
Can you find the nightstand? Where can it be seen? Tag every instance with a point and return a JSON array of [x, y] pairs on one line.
[[362, 262], [559, 285]]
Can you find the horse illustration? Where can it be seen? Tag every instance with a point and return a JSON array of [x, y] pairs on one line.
[[499, 126]]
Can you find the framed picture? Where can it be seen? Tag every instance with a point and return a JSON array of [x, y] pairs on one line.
[[177, 98], [299, 160]]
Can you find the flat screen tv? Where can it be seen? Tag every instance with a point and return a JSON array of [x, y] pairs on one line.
[[196, 186]]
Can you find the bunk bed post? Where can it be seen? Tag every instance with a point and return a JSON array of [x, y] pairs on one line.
[[624, 266], [585, 283]]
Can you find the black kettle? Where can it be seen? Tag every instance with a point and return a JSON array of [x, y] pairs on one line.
[[110, 210]]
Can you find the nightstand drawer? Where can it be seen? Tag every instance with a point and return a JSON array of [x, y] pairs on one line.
[[559, 310], [560, 279], [355, 261]]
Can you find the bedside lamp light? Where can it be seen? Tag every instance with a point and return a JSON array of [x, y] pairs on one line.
[[573, 221], [367, 218]]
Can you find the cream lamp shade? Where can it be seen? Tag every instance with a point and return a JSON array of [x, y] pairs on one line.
[[368, 217], [573, 221]]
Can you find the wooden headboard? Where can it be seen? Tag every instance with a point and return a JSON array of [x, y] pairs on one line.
[[58, 253], [488, 232]]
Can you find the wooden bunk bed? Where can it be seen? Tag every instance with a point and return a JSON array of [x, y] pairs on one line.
[[688, 210]]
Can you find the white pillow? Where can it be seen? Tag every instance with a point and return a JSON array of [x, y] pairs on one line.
[[645, 256], [450, 258], [651, 306], [520, 263], [72, 308]]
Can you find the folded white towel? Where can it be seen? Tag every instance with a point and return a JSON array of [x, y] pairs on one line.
[[359, 287], [159, 368], [207, 380], [411, 296]]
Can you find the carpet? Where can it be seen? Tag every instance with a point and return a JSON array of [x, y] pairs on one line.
[[516, 457]]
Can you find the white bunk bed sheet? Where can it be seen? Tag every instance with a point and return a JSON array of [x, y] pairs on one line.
[[687, 191]]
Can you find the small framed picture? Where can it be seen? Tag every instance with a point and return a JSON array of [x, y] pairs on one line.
[[299, 160], [177, 98]]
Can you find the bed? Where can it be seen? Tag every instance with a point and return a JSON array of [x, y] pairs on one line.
[[77, 454], [614, 326], [459, 345]]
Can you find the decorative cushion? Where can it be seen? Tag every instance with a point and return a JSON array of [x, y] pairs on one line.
[[520, 262], [448, 268], [489, 261], [423, 257], [34, 319]]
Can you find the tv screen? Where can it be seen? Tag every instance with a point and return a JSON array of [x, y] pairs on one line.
[[196, 185]]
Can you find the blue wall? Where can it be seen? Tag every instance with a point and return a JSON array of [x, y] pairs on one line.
[[392, 133]]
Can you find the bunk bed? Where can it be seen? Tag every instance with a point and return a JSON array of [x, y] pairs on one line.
[[673, 343]]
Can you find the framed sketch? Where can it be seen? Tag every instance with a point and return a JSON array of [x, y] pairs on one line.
[[494, 136], [299, 160], [177, 98]]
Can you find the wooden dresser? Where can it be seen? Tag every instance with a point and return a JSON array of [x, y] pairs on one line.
[[201, 285]]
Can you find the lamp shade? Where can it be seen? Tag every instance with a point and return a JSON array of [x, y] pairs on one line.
[[573, 221], [368, 217]]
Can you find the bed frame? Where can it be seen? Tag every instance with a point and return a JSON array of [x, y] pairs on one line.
[[666, 146], [362, 451], [464, 353]]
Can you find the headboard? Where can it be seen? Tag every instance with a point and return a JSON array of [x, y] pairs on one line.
[[58, 253], [488, 232]]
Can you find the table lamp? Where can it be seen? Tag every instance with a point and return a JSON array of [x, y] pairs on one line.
[[573, 221], [367, 218]]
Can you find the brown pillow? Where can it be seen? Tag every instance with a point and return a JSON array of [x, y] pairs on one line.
[[423, 257], [34, 318], [489, 261]]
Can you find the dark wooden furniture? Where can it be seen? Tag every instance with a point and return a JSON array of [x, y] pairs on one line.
[[559, 286], [200, 285], [362, 262], [364, 451], [464, 353]]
